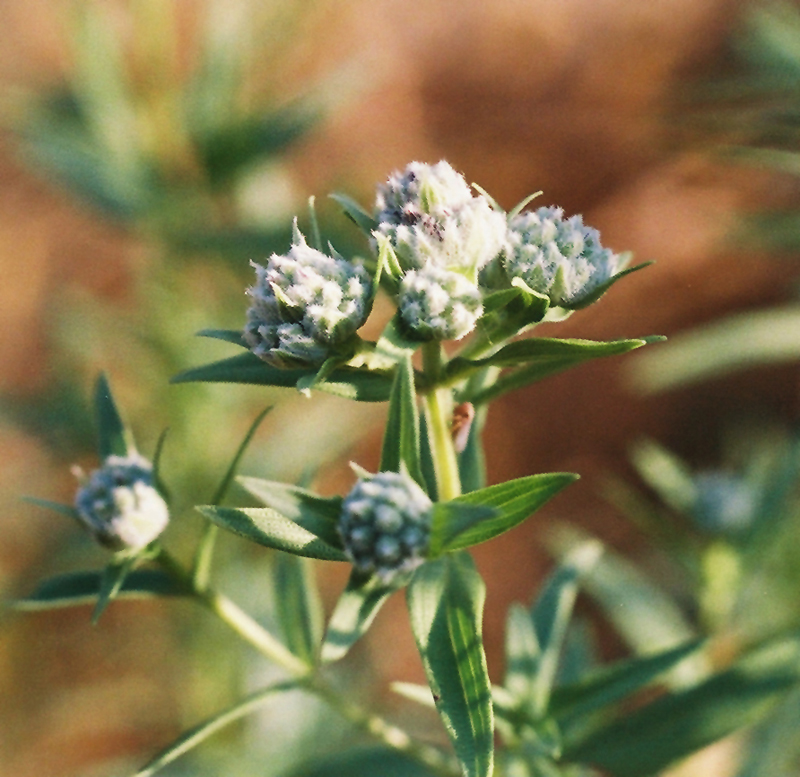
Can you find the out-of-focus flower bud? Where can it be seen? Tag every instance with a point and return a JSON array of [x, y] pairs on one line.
[[561, 258], [120, 505], [385, 525], [431, 218], [724, 503], [305, 304], [438, 304]]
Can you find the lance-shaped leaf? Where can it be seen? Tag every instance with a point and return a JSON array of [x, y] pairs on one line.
[[112, 436], [451, 520], [234, 336], [401, 440], [268, 527], [298, 606], [551, 615], [445, 603], [646, 741], [523, 654], [360, 385], [353, 615], [317, 514], [604, 287], [202, 731], [81, 588], [512, 503], [537, 358], [610, 684], [111, 581]]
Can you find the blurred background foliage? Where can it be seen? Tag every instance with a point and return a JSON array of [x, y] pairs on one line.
[[152, 148]]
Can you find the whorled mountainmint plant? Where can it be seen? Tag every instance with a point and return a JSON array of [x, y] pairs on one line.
[[438, 304], [385, 525], [304, 305], [559, 257], [430, 216], [120, 505]]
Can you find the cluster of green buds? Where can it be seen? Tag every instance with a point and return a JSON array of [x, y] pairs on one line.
[[385, 525], [120, 505], [305, 305]]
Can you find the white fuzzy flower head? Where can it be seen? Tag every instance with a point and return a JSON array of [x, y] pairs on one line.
[[561, 258], [724, 503], [438, 304], [385, 525], [304, 304], [431, 217], [119, 504]]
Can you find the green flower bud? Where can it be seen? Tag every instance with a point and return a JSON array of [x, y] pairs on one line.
[[304, 305], [558, 257], [431, 218], [119, 504], [385, 525], [437, 304]]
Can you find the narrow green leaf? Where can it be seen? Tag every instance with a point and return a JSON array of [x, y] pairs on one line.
[[317, 514], [610, 684], [361, 385], [227, 335], [644, 742], [363, 220], [401, 441], [445, 603], [80, 588], [56, 507], [113, 437], [604, 287], [513, 502], [472, 461], [523, 653], [452, 520], [353, 615], [551, 615], [537, 358], [298, 606], [270, 528], [199, 733], [365, 762], [111, 582]]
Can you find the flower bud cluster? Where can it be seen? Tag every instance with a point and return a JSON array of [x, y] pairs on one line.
[[304, 305], [385, 525], [559, 257], [437, 227], [724, 503], [119, 504]]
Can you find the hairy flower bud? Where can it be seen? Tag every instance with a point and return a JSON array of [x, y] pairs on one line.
[[304, 304], [437, 304], [119, 504], [561, 258], [724, 503], [430, 217], [385, 525]]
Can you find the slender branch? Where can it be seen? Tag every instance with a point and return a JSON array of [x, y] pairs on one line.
[[439, 415]]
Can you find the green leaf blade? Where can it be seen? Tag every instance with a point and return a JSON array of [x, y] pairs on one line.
[[299, 609], [269, 528], [445, 602], [354, 613], [113, 438], [512, 502]]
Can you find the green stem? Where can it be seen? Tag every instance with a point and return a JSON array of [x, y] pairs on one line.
[[439, 415], [249, 630]]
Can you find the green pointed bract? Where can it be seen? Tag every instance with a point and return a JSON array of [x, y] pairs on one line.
[[111, 582], [353, 615], [363, 220], [114, 439], [445, 603]]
